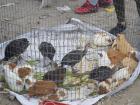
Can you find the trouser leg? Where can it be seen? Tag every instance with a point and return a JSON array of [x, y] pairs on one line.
[[138, 6], [93, 2], [120, 9]]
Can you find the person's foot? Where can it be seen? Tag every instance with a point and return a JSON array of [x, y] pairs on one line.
[[120, 27], [87, 7]]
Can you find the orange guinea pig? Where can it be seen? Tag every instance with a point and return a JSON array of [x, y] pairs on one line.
[[115, 56], [121, 44]]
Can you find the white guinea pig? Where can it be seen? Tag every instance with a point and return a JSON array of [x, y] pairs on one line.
[[121, 74], [103, 59], [102, 39]]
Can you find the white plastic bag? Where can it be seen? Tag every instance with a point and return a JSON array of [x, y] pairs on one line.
[[91, 100]]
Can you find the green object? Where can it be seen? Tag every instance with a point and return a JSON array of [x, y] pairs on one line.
[[32, 62], [2, 78], [84, 78], [6, 85], [138, 77], [94, 93], [72, 80], [38, 75], [24, 91]]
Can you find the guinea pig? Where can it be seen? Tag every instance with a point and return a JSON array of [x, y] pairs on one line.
[[102, 39]]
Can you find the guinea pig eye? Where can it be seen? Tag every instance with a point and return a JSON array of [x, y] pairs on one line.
[[100, 54], [18, 82]]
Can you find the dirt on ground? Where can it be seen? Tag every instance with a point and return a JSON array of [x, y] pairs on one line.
[[25, 15]]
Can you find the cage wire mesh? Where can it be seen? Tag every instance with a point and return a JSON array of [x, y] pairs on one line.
[[44, 68]]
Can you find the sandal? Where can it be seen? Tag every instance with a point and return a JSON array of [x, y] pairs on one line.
[[87, 7]]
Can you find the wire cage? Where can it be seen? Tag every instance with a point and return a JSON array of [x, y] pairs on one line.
[[54, 54]]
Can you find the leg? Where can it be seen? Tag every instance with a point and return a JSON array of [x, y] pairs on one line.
[[105, 3], [138, 6], [42, 4], [120, 12], [45, 3]]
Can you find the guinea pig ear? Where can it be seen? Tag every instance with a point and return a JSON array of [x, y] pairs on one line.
[[120, 36]]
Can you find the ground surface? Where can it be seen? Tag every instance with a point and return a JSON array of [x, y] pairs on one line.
[[26, 14]]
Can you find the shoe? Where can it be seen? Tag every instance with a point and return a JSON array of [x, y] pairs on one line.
[[118, 29], [87, 7], [110, 9], [105, 3]]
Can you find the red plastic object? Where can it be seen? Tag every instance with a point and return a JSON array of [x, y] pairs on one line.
[[47, 102], [87, 7]]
